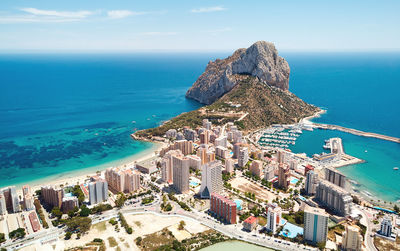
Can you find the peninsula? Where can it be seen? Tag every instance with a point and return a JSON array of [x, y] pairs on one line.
[[223, 172]]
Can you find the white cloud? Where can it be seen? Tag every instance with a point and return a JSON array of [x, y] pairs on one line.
[[159, 33], [117, 14], [208, 9], [33, 15], [61, 14]]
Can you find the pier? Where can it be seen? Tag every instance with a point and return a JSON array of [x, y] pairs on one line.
[[356, 132]]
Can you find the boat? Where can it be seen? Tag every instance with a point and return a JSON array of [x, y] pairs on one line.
[[395, 168], [365, 151]]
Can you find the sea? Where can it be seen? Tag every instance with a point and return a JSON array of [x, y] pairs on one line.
[[64, 113]]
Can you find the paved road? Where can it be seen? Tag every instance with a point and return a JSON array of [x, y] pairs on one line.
[[233, 231], [369, 241]]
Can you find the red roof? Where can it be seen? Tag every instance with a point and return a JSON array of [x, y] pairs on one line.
[[251, 220], [34, 221]]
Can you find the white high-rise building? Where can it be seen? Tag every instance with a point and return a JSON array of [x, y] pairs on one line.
[[243, 156], [269, 172], [3, 207], [12, 200], [221, 141], [274, 216], [386, 227], [98, 191], [28, 202], [211, 179], [315, 224], [207, 124], [311, 184]]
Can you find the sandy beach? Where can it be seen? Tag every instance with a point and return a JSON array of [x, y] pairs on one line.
[[78, 176], [307, 120]]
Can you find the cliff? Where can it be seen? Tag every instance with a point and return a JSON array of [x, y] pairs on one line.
[[260, 60], [249, 88]]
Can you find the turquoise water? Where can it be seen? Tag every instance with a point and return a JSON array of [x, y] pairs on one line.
[[358, 90], [238, 204], [63, 113], [290, 230], [294, 181], [376, 175]]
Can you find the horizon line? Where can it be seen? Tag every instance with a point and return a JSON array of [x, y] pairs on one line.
[[152, 51]]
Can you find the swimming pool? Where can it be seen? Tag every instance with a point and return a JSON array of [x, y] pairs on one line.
[[193, 183], [290, 230], [238, 204], [294, 181]]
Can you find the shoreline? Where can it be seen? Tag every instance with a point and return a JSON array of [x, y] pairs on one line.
[[365, 194], [79, 175]]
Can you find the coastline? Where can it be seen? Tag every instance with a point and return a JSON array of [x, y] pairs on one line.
[[364, 193], [80, 175]]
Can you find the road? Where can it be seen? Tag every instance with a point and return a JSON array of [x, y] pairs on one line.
[[368, 216], [231, 230]]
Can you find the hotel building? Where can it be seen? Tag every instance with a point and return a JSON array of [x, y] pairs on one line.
[[211, 179], [283, 176], [3, 206], [229, 165], [352, 239], [256, 168], [243, 157], [52, 196], [180, 171], [120, 180], [315, 224], [223, 208], [269, 172], [98, 191], [274, 216], [311, 183], [335, 198]]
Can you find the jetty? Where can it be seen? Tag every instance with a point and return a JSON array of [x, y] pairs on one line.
[[356, 132]]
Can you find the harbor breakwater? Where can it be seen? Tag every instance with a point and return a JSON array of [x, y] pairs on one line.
[[356, 132]]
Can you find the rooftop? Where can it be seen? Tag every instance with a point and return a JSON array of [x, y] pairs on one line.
[[250, 220]]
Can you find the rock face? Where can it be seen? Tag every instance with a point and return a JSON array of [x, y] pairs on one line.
[[260, 60]]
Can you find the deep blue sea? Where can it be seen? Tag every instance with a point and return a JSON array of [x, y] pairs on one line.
[[60, 113]]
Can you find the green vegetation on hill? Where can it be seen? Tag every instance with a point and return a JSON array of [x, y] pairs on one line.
[[264, 104]]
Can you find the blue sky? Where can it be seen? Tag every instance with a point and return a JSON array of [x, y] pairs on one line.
[[127, 25]]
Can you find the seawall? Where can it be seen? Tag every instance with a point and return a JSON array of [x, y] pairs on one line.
[[356, 132]]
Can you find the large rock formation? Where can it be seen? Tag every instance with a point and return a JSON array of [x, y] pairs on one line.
[[260, 60]]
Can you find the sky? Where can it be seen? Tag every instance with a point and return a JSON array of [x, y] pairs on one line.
[[202, 25]]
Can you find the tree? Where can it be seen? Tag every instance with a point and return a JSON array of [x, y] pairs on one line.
[[182, 225], [79, 224], [119, 202], [56, 212], [71, 213], [2, 237], [77, 191], [18, 233], [321, 245], [396, 209], [68, 235], [85, 211]]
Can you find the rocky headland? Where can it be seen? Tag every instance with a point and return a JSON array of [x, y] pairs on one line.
[[249, 88], [260, 60]]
